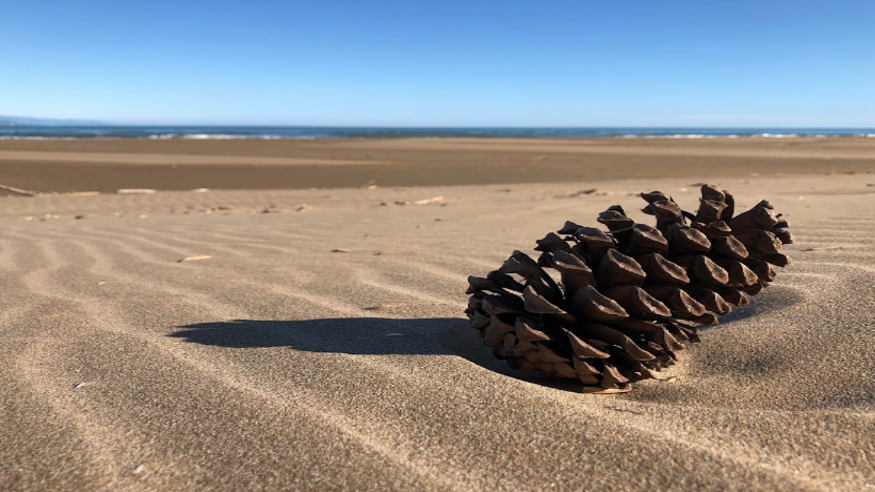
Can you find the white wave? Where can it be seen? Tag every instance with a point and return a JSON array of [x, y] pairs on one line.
[[214, 136], [224, 136], [162, 136], [16, 137], [756, 135], [44, 137], [777, 135], [209, 136], [680, 135]]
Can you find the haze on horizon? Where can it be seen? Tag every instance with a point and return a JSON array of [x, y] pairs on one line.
[[447, 63]]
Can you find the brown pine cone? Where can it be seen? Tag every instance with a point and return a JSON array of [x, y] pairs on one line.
[[611, 307]]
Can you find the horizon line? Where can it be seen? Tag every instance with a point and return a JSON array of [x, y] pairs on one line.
[[87, 123]]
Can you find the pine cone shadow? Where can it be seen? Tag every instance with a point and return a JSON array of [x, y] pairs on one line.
[[776, 298], [363, 336]]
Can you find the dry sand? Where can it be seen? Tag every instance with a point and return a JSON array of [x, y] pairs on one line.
[[262, 368]]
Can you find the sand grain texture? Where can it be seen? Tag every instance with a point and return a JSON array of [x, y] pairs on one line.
[[262, 368]]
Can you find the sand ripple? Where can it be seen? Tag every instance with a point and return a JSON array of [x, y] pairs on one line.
[[259, 369]]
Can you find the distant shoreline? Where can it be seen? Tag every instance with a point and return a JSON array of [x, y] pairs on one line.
[[171, 132], [184, 164], [222, 137]]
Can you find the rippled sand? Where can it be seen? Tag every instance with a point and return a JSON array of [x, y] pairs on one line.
[[263, 368]]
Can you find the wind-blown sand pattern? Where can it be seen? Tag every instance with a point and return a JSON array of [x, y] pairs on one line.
[[260, 368]]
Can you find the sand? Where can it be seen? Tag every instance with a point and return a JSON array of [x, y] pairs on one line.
[[323, 347], [106, 165]]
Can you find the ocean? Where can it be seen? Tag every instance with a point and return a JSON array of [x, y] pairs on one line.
[[26, 132]]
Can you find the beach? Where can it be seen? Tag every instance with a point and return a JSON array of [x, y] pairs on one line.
[[297, 323], [179, 164]]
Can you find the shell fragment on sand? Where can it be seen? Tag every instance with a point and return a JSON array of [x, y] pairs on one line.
[[429, 201], [194, 258], [81, 193], [598, 390], [135, 191], [53, 315], [18, 191]]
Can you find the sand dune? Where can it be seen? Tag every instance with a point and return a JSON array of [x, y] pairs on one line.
[[260, 368]]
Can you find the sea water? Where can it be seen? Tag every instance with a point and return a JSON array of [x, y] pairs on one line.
[[28, 132]]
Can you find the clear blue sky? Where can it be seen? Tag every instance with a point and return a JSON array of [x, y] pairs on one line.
[[442, 63]]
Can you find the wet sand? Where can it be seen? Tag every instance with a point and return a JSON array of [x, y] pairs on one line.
[[106, 165]]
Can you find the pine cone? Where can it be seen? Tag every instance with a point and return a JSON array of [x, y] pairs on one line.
[[628, 298]]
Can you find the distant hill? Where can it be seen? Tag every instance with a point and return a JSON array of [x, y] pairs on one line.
[[25, 121]]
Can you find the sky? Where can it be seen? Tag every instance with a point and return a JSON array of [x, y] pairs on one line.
[[442, 63]]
